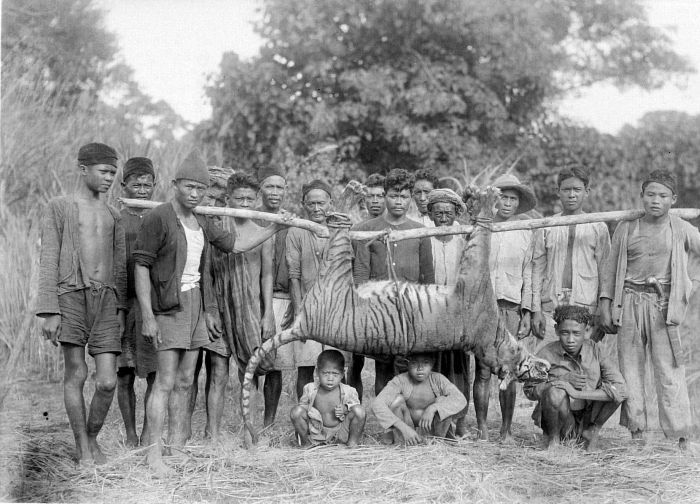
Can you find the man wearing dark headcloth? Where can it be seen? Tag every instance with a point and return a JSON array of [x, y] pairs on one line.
[[273, 189], [138, 356], [82, 292], [305, 253], [643, 298]]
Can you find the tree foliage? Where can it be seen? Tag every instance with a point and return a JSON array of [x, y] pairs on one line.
[[416, 83]]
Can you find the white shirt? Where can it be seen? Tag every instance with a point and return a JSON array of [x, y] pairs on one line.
[[195, 247], [446, 259], [510, 263]]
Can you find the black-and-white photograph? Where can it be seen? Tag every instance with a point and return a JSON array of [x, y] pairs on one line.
[[358, 251]]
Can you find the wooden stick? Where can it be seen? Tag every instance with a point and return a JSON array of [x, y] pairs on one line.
[[317, 229], [564, 220]]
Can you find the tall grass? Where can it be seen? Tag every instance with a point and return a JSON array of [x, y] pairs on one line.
[[40, 141]]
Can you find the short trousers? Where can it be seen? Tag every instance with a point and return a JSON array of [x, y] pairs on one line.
[[185, 329], [320, 434], [219, 346], [89, 317], [127, 359]]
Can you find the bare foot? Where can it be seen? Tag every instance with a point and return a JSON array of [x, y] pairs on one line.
[[482, 435], [683, 444], [131, 441], [155, 462], [592, 437], [99, 457], [86, 464], [638, 437], [387, 438], [352, 444], [506, 439]]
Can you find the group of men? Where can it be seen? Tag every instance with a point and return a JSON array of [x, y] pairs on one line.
[[149, 290]]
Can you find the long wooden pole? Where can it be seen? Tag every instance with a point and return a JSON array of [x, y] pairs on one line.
[[685, 213], [318, 229]]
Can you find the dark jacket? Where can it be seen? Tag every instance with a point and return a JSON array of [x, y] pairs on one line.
[[161, 246]]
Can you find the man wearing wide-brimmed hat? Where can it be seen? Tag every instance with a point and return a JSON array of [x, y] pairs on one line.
[[510, 263]]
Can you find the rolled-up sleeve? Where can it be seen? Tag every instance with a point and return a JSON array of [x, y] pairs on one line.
[[51, 230], [149, 240]]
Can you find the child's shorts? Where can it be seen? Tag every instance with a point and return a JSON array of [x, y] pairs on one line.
[[320, 434], [89, 317]]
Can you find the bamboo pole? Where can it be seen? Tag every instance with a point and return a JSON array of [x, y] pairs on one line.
[[318, 229], [393, 236], [685, 213]]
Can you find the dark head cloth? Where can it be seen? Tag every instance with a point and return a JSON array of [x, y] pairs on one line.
[[97, 153], [316, 184], [446, 196], [193, 168], [138, 166], [663, 177], [270, 171]]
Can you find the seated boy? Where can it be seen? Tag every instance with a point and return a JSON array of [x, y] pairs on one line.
[[584, 387], [419, 399], [329, 411]]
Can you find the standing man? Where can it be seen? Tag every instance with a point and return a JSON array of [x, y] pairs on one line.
[[425, 181], [568, 260], [138, 182], [375, 195], [273, 189], [411, 260], [510, 263], [169, 252], [444, 206], [82, 292], [242, 291], [643, 298], [305, 253]]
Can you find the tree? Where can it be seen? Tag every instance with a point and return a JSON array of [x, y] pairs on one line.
[[411, 83]]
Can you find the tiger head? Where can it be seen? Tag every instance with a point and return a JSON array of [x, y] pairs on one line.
[[518, 363]]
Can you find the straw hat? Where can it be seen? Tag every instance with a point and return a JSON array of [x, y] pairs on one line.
[[528, 200]]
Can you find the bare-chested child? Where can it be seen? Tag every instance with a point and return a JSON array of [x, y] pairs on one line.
[[82, 292], [329, 411], [419, 402]]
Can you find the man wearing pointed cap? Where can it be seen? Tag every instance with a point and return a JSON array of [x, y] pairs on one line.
[[170, 248], [645, 289], [82, 292], [273, 189], [138, 356], [510, 263]]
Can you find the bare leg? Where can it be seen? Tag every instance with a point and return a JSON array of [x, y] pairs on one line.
[[217, 378], [168, 362], [150, 378], [482, 393], [357, 417], [179, 413], [461, 381], [194, 392], [73, 382], [441, 428], [507, 400], [399, 408], [126, 397], [105, 384], [272, 390], [557, 419], [305, 374], [602, 412], [300, 420], [384, 372], [355, 378]]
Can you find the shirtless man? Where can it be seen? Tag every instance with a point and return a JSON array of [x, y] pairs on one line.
[[418, 401], [83, 302]]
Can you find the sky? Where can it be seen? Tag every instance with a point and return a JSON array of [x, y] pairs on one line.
[[174, 45]]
